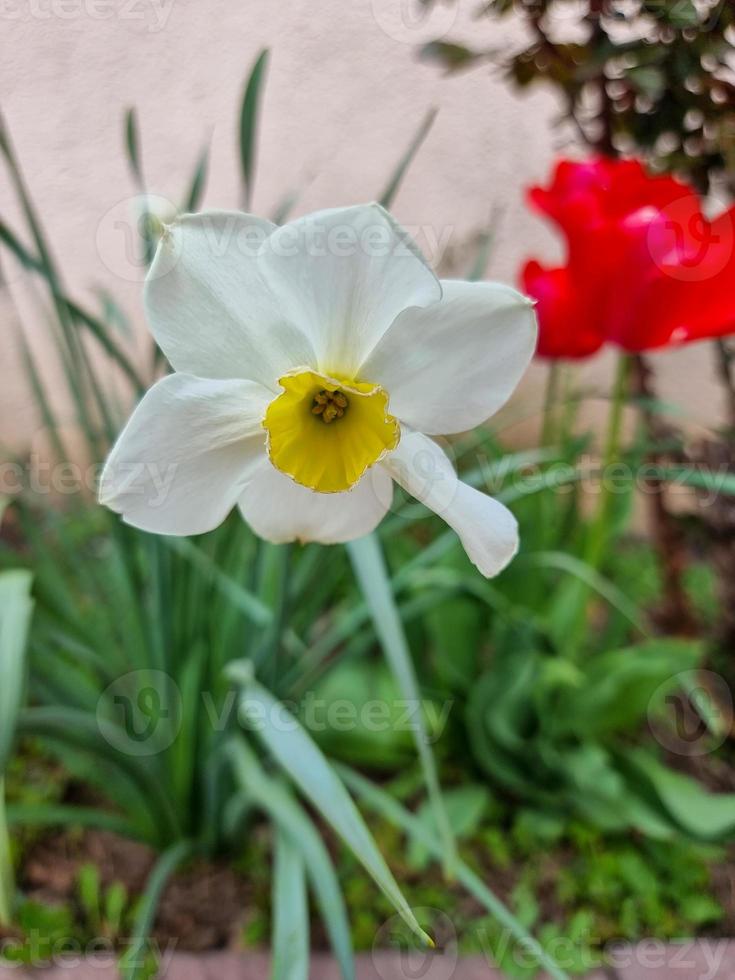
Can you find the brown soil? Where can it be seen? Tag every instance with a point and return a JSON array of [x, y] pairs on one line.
[[201, 908]]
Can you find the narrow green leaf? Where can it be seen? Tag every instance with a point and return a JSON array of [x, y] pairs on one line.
[[196, 189], [15, 617], [31, 815], [371, 572], [96, 327], [133, 962], [290, 936], [390, 809], [484, 248], [7, 873], [132, 145], [285, 207], [466, 805], [279, 803], [452, 57], [391, 188], [99, 737], [691, 476], [306, 765], [585, 573], [249, 124]]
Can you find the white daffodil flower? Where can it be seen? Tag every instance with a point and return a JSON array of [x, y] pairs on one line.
[[313, 364]]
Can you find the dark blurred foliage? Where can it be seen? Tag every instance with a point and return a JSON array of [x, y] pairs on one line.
[[651, 77]]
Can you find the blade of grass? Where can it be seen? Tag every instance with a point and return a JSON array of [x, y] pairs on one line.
[[132, 149], [256, 610], [290, 929], [391, 188], [196, 189], [7, 872], [32, 815], [390, 809], [132, 146], [133, 963], [591, 579], [306, 766], [95, 326], [15, 617], [273, 797], [74, 358], [99, 737], [372, 575], [249, 124]]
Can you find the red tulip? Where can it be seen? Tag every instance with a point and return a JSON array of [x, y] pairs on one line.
[[645, 268]]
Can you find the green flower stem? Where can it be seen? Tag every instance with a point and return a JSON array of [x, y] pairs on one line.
[[7, 877], [569, 402], [551, 399], [600, 530]]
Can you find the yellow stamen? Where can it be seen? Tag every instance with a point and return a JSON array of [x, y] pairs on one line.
[[325, 432]]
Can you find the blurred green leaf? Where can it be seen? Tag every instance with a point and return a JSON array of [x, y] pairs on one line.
[[391, 189], [617, 687], [15, 616], [703, 815], [279, 803], [372, 575], [452, 57], [196, 188], [249, 123], [389, 808], [133, 962], [132, 145], [290, 936], [466, 806], [299, 757]]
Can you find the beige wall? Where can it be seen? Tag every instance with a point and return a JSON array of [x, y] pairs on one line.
[[345, 93]]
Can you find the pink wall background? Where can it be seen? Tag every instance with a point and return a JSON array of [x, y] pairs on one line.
[[345, 93]]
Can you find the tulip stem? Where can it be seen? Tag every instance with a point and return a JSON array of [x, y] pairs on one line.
[[676, 615], [600, 529], [551, 399]]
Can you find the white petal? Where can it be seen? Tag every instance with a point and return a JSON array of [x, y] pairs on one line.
[[208, 307], [488, 531], [280, 510], [449, 367], [180, 463], [344, 275]]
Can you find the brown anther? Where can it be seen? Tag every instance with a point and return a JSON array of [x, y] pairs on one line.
[[329, 405]]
